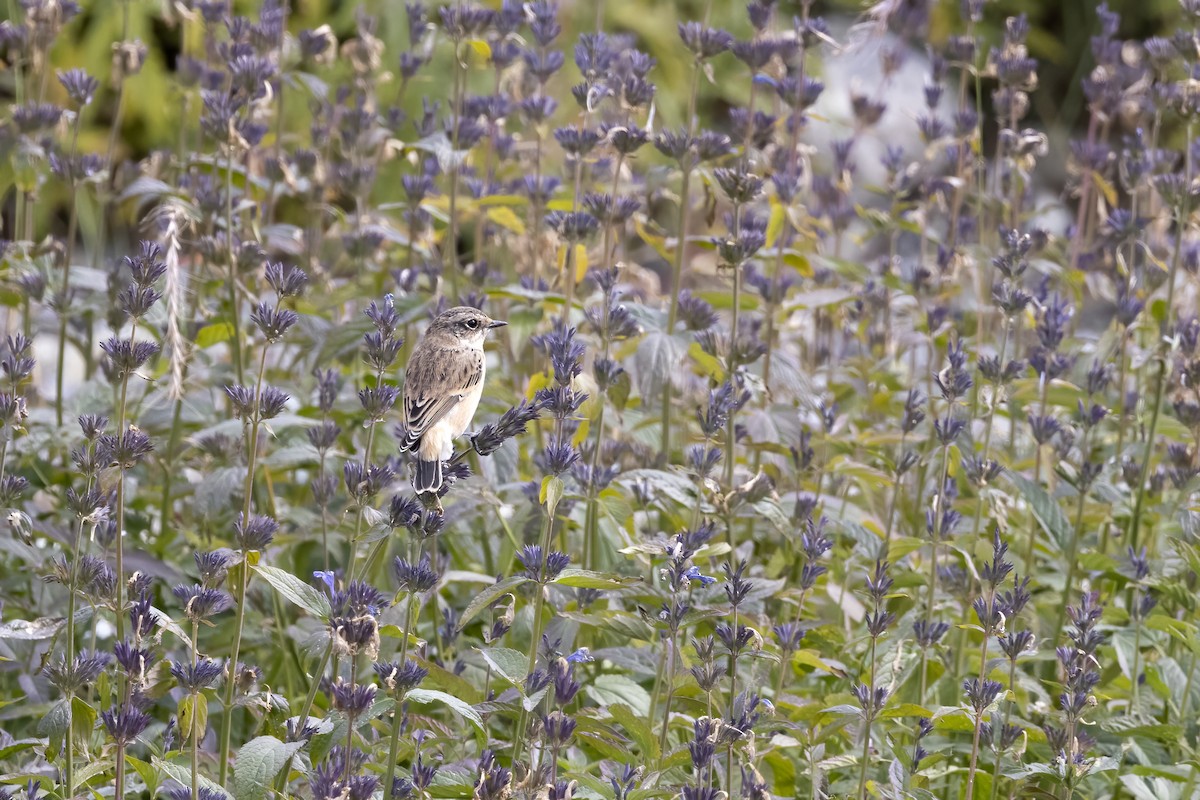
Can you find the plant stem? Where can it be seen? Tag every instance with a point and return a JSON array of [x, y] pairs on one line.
[[244, 573], [450, 244], [937, 524], [393, 746], [358, 517], [235, 344], [1072, 566], [1012, 684], [547, 537], [866, 754], [68, 253], [677, 256], [978, 719], [669, 677], [195, 737], [1161, 380], [316, 682], [120, 776]]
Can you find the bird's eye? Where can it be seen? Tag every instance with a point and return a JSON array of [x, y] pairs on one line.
[[472, 324]]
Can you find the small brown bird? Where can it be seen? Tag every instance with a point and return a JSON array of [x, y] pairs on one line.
[[442, 387]]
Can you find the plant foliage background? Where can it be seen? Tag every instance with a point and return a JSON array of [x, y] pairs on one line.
[[843, 441]]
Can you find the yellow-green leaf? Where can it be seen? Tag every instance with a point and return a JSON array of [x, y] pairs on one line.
[[481, 48], [213, 333], [197, 705], [506, 218], [775, 223]]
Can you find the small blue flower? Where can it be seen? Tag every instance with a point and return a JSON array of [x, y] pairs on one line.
[[325, 577], [693, 574], [581, 656]]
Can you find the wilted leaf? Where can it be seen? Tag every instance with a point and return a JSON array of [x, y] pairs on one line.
[[31, 630], [488, 596]]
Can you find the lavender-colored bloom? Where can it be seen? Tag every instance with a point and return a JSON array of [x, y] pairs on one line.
[[711, 145], [790, 636], [79, 85], [125, 450], [400, 678], [493, 781], [673, 144], [536, 569], [981, 693], [79, 674], [364, 483], [572, 226], [352, 700], [126, 357], [415, 578], [697, 314], [722, 401], [739, 186], [704, 42], [124, 723], [1016, 644], [200, 603], [135, 661], [33, 118], [255, 534], [195, 676], [559, 457], [273, 322], [377, 401], [928, 634]]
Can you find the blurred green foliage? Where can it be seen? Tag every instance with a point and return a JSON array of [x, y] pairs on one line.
[[1059, 40]]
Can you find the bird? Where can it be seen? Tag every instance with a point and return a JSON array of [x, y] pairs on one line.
[[442, 386]]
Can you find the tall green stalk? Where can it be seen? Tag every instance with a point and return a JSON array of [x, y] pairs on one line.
[[68, 254], [685, 185], [244, 573]]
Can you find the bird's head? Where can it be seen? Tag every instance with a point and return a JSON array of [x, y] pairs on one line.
[[464, 323]]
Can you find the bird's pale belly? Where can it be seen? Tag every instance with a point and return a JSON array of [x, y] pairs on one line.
[[438, 441]]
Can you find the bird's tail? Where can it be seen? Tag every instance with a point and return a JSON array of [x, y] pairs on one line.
[[428, 478]]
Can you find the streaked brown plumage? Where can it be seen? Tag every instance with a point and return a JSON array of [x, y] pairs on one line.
[[442, 387]]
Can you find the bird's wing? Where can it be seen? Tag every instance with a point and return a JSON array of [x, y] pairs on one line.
[[436, 382]]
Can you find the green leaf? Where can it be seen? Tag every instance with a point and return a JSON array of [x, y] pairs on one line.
[[185, 716], [460, 707], [145, 771], [83, 719], [552, 492], [658, 357], [488, 596], [638, 729], [257, 764], [31, 630], [182, 774], [609, 690], [1047, 512], [1182, 631], [297, 591], [906, 710], [508, 664], [214, 333], [589, 579], [710, 366], [54, 726], [481, 48]]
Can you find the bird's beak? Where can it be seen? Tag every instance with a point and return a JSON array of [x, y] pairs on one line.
[[497, 323]]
